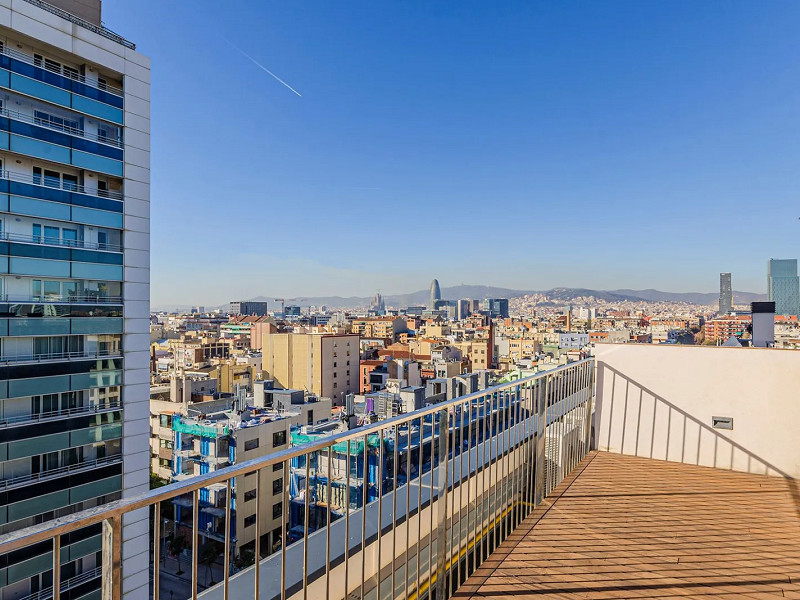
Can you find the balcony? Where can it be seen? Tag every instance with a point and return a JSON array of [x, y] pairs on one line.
[[58, 356], [57, 241], [43, 417], [47, 188], [50, 474], [497, 493]]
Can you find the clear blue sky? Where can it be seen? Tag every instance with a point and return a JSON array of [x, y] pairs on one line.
[[526, 145]]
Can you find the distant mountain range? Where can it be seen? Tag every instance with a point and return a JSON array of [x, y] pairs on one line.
[[420, 298]]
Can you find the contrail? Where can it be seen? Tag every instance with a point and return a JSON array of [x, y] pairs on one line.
[[263, 68]]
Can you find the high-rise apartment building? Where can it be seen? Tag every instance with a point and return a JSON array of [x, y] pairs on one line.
[[783, 286], [74, 284], [725, 293]]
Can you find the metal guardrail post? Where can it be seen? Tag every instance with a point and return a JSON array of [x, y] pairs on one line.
[[442, 480], [112, 558], [539, 484], [590, 393]]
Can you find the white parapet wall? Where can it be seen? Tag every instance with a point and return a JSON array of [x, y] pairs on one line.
[[673, 403]]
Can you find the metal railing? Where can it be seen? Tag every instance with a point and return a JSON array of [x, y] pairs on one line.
[[19, 480], [99, 30], [68, 584], [48, 356], [50, 415], [421, 499], [85, 298], [47, 240], [48, 124], [53, 183]]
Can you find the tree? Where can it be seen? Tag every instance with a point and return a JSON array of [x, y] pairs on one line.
[[208, 556], [176, 547], [247, 556]]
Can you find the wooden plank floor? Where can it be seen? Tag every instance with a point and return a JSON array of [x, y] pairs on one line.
[[628, 527]]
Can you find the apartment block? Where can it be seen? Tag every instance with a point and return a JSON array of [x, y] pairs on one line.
[[322, 364], [74, 281]]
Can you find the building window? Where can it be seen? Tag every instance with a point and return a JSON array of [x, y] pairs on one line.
[[166, 421], [250, 521], [277, 510], [277, 467], [278, 439], [165, 443], [165, 463], [251, 445], [277, 486], [249, 495]]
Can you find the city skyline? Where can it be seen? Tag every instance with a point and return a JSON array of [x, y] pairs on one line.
[[485, 113]]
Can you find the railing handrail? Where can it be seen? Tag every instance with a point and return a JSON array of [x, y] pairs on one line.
[[58, 356], [65, 187], [50, 414], [50, 241], [50, 473], [21, 56], [47, 593], [89, 299], [26, 118], [62, 525]]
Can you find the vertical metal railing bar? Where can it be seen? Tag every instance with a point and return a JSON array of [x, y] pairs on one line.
[[227, 552], [471, 518], [379, 541], [395, 469], [408, 509], [430, 505], [284, 528], [347, 525], [503, 482], [461, 420], [328, 502], [450, 522], [111, 583], [57, 567], [518, 466], [364, 486], [257, 570], [421, 434], [497, 432], [156, 548], [306, 510], [533, 390], [195, 539], [565, 436], [441, 544], [487, 475]]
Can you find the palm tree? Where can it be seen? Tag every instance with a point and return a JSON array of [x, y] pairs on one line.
[[177, 544], [208, 556]]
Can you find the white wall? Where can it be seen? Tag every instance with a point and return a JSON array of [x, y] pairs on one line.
[[658, 402]]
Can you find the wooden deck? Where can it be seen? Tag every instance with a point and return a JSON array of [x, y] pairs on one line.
[[627, 527]]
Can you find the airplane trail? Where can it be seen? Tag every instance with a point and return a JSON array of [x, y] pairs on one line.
[[263, 68]]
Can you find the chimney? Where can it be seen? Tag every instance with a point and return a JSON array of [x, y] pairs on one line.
[[763, 324]]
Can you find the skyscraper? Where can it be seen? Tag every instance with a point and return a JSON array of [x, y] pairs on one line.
[[783, 286], [75, 258], [436, 294], [725, 293]]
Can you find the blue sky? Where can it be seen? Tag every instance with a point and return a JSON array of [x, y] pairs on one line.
[[525, 145]]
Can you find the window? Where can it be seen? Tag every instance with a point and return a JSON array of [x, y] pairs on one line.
[[277, 467], [277, 486], [278, 439], [310, 420], [166, 421], [249, 495], [335, 385], [250, 521], [251, 445], [277, 510], [165, 463], [70, 182], [165, 443]]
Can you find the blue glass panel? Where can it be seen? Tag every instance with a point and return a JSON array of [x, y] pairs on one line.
[[81, 381], [3, 140], [4, 202], [4, 389], [38, 191], [37, 251], [96, 217], [39, 208], [38, 385], [50, 268], [96, 163], [94, 256], [39, 90], [96, 94], [33, 326], [5, 78], [4, 185], [41, 149], [91, 325], [94, 271], [96, 148], [39, 133], [3, 327], [95, 202], [3, 264], [98, 109]]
